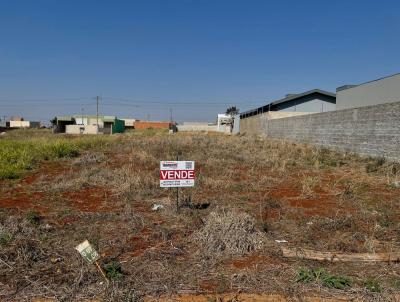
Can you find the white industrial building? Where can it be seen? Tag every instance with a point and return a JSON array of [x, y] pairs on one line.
[[222, 124], [19, 122]]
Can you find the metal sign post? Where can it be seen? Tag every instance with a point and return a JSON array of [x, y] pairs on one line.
[[177, 192]]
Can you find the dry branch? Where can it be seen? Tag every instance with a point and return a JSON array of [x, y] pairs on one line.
[[335, 257]]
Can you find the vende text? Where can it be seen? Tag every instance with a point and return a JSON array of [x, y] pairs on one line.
[[176, 174]]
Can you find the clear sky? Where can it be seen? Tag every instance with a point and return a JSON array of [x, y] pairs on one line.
[[196, 57]]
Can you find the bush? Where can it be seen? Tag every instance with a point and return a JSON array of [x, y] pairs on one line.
[[114, 270], [33, 217], [375, 164]]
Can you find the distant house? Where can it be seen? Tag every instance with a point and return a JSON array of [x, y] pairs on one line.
[[129, 123], [222, 124], [311, 101], [88, 124], [19, 122], [380, 91]]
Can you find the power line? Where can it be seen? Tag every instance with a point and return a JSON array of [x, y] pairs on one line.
[[184, 102], [133, 101], [46, 99]]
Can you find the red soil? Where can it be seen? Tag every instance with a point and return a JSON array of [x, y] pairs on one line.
[[208, 286], [19, 199], [90, 199], [251, 261]]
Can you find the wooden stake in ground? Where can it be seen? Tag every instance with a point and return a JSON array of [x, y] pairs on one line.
[[91, 255], [101, 271]]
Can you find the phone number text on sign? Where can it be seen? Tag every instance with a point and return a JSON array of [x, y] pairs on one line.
[[175, 174]]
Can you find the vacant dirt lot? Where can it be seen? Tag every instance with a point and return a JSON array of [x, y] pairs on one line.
[[249, 193]]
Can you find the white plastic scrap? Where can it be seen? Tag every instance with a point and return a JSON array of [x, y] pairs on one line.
[[157, 207], [281, 241]]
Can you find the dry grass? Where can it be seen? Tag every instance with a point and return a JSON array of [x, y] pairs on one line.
[[256, 191], [229, 233], [308, 186]]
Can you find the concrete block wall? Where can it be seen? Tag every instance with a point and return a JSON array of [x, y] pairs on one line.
[[192, 127], [256, 124], [372, 130], [81, 129]]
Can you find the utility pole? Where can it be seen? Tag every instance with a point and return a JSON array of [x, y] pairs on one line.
[[170, 112], [97, 111]]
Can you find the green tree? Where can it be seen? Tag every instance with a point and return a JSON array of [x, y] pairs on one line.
[[231, 112]]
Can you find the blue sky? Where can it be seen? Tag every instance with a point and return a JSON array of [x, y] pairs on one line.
[[196, 57]]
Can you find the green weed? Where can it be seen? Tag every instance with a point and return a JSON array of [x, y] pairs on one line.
[[372, 285], [339, 282], [33, 217], [5, 238], [320, 275], [19, 155], [114, 270]]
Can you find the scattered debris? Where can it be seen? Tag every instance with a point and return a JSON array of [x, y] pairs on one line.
[[56, 259], [396, 184], [47, 227], [157, 207]]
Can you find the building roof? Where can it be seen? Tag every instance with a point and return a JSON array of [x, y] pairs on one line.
[[344, 87], [109, 118], [290, 97], [294, 96]]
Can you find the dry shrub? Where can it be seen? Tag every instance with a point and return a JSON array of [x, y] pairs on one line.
[[308, 186], [17, 241], [229, 233]]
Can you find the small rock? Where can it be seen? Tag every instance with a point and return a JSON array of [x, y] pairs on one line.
[[56, 259]]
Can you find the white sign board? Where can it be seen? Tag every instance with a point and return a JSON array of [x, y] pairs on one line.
[[176, 174], [87, 252]]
